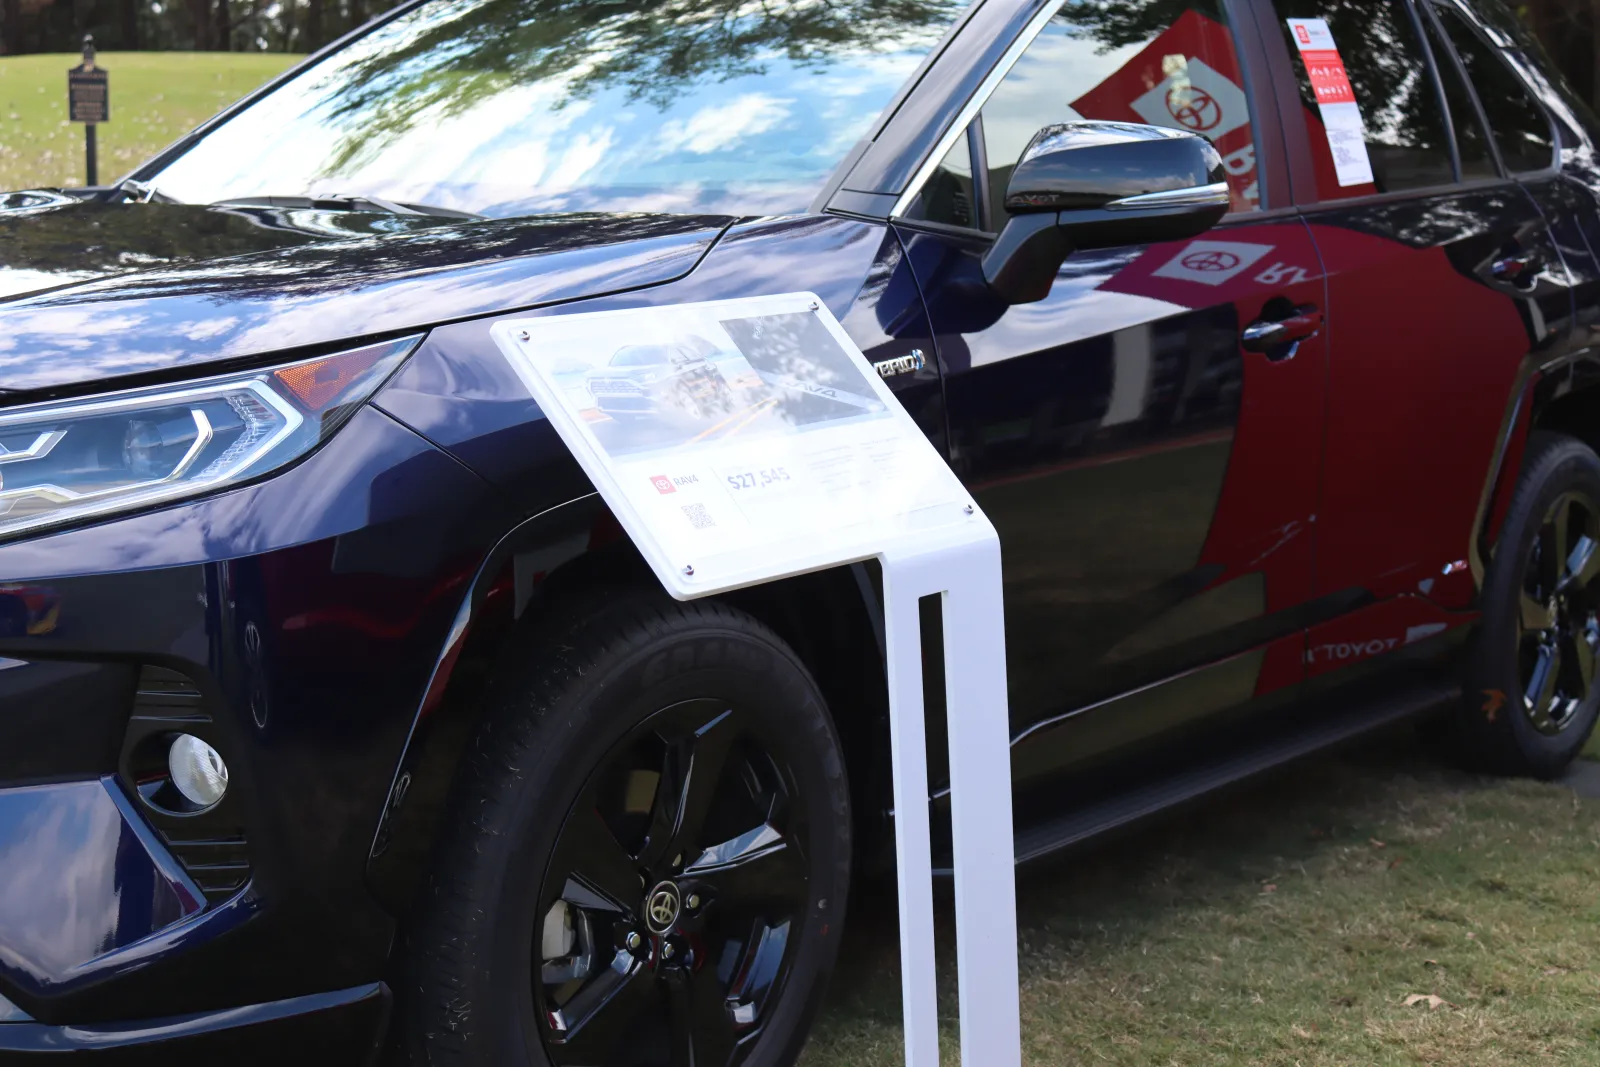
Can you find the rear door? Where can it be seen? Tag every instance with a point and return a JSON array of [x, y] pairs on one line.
[[1153, 480], [1442, 280]]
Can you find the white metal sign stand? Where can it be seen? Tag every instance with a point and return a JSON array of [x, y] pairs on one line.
[[743, 441]]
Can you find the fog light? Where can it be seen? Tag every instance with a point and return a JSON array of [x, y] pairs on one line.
[[197, 771]]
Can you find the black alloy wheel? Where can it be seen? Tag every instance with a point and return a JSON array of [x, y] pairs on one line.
[[1557, 618], [1530, 697], [647, 855], [672, 893]]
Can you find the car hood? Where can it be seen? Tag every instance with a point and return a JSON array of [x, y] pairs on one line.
[[90, 291]]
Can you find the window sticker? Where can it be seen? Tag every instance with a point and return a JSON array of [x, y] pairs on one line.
[[1341, 115]]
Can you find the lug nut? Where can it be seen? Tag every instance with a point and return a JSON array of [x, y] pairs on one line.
[[677, 861], [693, 903], [668, 950], [633, 941]]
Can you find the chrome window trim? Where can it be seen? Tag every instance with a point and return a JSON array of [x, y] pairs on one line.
[[964, 118]]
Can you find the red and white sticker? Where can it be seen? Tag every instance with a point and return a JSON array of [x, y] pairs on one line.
[[1211, 262], [1341, 115], [1186, 79], [1195, 98]]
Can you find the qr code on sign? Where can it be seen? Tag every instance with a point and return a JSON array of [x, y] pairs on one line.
[[698, 516]]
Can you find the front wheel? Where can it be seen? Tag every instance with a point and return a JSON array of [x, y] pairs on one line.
[[1531, 698], [649, 857]]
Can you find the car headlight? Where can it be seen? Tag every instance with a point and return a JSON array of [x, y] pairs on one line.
[[65, 460]]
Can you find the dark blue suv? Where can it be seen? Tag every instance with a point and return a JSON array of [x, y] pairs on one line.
[[338, 716]]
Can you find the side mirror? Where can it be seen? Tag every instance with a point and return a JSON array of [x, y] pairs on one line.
[[1085, 185]]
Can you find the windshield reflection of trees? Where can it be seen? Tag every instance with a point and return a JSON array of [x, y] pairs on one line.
[[1118, 23], [452, 55]]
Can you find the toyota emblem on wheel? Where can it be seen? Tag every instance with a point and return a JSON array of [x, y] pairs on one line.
[[1210, 261], [1194, 109], [662, 909]]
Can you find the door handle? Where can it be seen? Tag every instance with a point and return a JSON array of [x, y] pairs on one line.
[[1270, 335], [1517, 269]]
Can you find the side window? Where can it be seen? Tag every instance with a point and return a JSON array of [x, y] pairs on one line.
[[1521, 129], [1472, 141], [950, 194], [1379, 127], [1158, 62]]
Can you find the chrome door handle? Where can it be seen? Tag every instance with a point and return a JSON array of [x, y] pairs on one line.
[[1268, 335], [1518, 269]]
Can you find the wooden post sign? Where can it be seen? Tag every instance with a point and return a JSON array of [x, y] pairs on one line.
[[89, 102]]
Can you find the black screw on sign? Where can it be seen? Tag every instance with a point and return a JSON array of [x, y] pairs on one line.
[[89, 102]]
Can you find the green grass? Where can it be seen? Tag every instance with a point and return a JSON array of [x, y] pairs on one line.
[[155, 98], [1287, 923]]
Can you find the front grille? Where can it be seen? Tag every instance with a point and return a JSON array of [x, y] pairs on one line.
[[615, 387]]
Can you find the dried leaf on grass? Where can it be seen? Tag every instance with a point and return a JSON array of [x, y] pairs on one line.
[[1433, 1001]]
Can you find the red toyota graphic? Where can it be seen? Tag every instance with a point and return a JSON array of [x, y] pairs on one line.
[[1186, 79], [1208, 262], [1217, 268], [1193, 109], [663, 484]]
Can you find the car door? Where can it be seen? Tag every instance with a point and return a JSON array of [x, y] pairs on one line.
[[1535, 125], [1442, 279], [1152, 479]]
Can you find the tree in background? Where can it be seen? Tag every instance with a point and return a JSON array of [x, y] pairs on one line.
[[1570, 32], [1568, 29], [170, 25]]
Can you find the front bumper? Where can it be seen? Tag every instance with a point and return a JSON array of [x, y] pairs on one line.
[[343, 1027], [294, 623]]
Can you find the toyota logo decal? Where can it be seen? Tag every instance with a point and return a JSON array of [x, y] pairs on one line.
[[662, 909], [1206, 262], [1193, 109]]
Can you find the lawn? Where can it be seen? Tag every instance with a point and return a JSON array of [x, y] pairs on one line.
[[155, 98], [1290, 922]]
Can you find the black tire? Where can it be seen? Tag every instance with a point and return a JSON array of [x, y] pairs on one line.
[[1538, 615], [580, 718]]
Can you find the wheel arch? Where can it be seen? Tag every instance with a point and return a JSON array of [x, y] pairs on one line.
[[540, 573], [1558, 396]]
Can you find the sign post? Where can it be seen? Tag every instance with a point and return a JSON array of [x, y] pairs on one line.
[[89, 102], [743, 441]]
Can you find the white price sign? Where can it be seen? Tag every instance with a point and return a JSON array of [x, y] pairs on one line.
[[737, 441]]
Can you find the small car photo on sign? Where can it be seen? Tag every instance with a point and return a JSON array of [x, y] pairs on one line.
[[706, 380]]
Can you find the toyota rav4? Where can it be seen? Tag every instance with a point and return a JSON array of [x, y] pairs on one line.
[[337, 712]]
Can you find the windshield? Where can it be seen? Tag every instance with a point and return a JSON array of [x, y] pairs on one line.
[[514, 107]]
